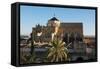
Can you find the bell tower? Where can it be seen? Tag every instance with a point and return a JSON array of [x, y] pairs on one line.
[[54, 23]]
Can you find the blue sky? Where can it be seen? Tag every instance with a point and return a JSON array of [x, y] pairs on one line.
[[32, 15]]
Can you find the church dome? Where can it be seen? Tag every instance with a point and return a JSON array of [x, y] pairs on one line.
[[54, 19], [53, 22]]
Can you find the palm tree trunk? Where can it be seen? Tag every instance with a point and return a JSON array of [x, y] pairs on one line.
[[32, 46]]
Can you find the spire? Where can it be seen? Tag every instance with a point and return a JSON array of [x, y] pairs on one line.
[[54, 14]]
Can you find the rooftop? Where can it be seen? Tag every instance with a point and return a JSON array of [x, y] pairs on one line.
[[54, 18]]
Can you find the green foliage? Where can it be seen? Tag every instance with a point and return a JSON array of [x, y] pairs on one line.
[[58, 52], [22, 59], [30, 58]]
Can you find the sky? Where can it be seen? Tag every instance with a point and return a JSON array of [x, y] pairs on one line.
[[30, 16]]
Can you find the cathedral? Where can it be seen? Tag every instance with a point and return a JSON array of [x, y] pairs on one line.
[[57, 29]]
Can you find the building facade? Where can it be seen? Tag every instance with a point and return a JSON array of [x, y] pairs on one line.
[[66, 31]]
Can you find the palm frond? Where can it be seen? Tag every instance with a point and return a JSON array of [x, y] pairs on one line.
[[57, 52]]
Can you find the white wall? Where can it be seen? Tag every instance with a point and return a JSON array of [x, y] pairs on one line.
[[5, 24]]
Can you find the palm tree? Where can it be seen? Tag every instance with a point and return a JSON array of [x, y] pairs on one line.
[[30, 57], [32, 53], [57, 52]]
